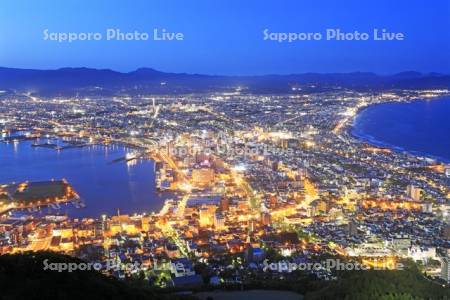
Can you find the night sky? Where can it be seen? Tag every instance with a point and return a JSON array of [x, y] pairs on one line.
[[226, 37]]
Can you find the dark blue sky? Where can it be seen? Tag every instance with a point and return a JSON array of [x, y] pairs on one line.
[[226, 36]]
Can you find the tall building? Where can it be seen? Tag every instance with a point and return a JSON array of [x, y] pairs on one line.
[[219, 221], [445, 268], [99, 227], [202, 177], [447, 171], [265, 218], [207, 213], [252, 225], [224, 204], [427, 207], [414, 192]]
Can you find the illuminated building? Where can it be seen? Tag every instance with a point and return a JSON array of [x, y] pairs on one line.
[[423, 254], [289, 143], [414, 192], [145, 223], [115, 228], [202, 177], [63, 232], [265, 218], [385, 204], [319, 206], [427, 207], [273, 201], [445, 268], [181, 267], [202, 158], [207, 213], [401, 243], [224, 204], [219, 221], [67, 244]]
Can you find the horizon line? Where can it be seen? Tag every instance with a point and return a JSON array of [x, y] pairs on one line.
[[431, 73]]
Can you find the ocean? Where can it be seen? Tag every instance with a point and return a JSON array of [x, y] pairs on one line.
[[420, 127]]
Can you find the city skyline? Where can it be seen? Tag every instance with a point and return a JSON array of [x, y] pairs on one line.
[[198, 150]]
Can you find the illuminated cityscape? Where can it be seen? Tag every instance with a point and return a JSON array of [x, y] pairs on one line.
[[225, 150], [249, 174]]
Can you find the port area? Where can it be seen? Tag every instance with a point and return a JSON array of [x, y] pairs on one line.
[[31, 195], [68, 145]]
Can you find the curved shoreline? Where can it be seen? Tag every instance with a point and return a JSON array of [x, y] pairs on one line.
[[367, 138], [97, 203]]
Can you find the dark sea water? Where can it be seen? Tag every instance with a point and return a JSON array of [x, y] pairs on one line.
[[103, 186], [419, 127]]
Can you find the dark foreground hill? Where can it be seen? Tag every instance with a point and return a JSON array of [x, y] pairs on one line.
[[384, 285], [23, 276], [406, 284]]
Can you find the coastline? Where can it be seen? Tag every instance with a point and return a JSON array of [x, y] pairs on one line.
[[97, 202], [360, 137]]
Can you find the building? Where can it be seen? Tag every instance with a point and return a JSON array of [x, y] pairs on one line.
[[225, 204], [446, 232], [423, 254], [266, 218], [414, 192], [401, 244], [445, 268], [202, 177], [447, 171], [319, 207], [219, 221], [427, 207], [352, 228], [207, 215], [171, 250], [182, 267], [254, 254]]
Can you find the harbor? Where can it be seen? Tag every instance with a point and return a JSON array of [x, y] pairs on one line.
[[129, 184]]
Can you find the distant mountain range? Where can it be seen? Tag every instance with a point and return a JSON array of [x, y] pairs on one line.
[[87, 81]]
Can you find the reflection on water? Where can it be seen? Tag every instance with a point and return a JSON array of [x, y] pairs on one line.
[[103, 186]]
